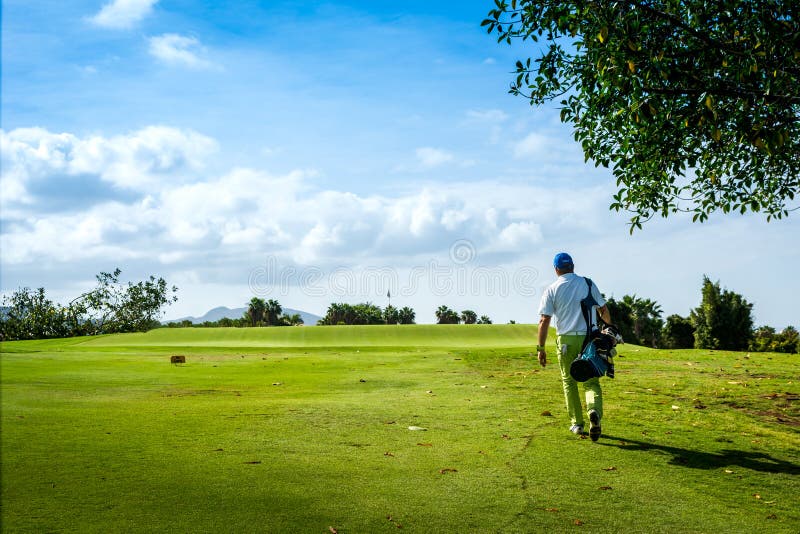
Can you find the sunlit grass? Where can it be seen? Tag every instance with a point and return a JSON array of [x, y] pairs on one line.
[[302, 429]]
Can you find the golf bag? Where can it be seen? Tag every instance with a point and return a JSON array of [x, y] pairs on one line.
[[598, 349]]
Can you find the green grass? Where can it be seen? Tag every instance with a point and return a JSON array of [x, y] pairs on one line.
[[302, 429]]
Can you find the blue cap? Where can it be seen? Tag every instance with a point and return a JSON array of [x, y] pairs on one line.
[[562, 261]]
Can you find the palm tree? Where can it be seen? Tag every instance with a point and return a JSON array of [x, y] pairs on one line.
[[646, 318], [334, 315], [406, 315], [391, 315], [445, 315], [291, 320], [272, 311], [255, 311], [469, 317]]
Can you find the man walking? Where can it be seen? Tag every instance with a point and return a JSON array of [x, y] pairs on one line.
[[562, 300]]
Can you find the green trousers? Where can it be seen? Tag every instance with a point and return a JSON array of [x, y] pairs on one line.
[[568, 349]]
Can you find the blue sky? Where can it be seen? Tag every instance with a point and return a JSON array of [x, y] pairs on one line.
[[313, 152]]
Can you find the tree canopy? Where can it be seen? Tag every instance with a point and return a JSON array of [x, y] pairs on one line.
[[445, 315], [723, 320], [694, 104], [110, 307]]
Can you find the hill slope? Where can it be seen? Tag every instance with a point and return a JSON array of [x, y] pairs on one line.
[[221, 312], [513, 335]]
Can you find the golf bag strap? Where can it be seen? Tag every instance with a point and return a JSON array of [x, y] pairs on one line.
[[586, 309]]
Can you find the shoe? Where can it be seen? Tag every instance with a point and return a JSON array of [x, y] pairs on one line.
[[610, 371], [594, 426], [576, 429]]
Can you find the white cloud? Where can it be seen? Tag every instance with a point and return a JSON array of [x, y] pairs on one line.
[[180, 50], [533, 145], [120, 14], [143, 160], [492, 121], [518, 235], [219, 227], [551, 150], [493, 116], [246, 212], [106, 231], [433, 157]]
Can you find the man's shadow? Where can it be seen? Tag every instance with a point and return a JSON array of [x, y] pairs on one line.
[[756, 461]]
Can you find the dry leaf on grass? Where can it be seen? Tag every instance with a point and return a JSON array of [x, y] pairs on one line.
[[447, 470], [547, 413], [611, 468]]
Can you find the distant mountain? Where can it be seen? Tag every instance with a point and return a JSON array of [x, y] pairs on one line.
[[236, 313]]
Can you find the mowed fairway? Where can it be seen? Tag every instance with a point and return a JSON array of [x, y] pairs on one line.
[[307, 430]]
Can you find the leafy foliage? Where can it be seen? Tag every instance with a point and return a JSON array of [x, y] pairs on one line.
[[292, 320], [268, 313], [469, 317], [765, 339], [113, 307], [347, 314], [723, 320], [646, 320], [694, 104], [621, 314], [110, 307], [256, 310], [638, 320], [678, 333], [445, 315], [31, 315], [406, 315], [391, 315]]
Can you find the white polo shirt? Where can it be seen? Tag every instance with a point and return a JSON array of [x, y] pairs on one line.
[[562, 301]]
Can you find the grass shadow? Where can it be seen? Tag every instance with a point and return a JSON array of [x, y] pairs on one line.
[[757, 461]]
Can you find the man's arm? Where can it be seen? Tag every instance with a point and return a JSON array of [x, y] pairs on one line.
[[544, 325], [604, 314]]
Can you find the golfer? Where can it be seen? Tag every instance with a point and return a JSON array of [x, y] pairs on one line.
[[562, 300]]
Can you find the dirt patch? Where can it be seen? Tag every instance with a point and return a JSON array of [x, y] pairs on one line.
[[779, 414]]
